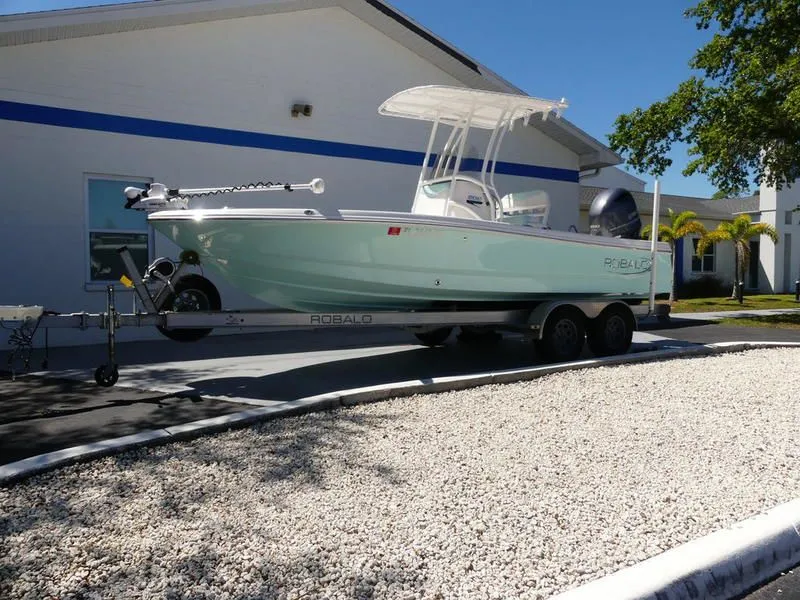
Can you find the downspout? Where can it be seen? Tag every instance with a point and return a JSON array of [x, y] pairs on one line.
[[589, 174]]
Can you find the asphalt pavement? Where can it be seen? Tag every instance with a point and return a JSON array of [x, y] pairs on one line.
[[784, 587], [166, 383]]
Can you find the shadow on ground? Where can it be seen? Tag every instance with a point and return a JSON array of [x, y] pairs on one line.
[[43, 415]]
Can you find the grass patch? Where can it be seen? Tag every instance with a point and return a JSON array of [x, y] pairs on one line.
[[784, 321], [760, 302]]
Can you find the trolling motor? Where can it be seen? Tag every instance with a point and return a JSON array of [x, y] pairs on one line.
[[157, 196]]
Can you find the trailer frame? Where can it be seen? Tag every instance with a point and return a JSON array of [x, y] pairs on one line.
[[430, 326]]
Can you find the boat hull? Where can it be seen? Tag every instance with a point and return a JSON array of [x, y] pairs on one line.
[[369, 260]]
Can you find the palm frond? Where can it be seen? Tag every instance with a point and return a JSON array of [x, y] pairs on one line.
[[665, 233], [728, 228], [689, 228], [712, 237], [681, 219], [741, 224], [762, 229]]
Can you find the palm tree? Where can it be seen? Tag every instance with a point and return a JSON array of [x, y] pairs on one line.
[[681, 225], [739, 231]]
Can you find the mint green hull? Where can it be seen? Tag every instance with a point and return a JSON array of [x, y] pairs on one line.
[[372, 261]]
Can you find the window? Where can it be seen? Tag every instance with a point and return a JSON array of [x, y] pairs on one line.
[[705, 263], [787, 217], [112, 226]]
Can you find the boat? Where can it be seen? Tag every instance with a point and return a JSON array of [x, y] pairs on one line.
[[460, 246]]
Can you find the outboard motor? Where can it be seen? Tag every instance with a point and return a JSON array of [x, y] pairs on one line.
[[613, 213]]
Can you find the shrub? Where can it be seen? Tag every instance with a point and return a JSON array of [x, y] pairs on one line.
[[704, 286]]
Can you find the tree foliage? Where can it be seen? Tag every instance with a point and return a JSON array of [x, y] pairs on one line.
[[722, 194], [739, 231], [680, 225], [742, 119]]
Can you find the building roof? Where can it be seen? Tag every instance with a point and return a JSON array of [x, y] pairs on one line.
[[53, 25], [705, 209], [749, 204]]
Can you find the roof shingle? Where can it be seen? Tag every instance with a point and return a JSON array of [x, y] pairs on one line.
[[705, 209]]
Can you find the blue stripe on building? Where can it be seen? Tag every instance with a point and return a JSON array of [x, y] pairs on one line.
[[92, 121]]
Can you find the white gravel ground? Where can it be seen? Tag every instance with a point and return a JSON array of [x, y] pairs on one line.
[[505, 491]]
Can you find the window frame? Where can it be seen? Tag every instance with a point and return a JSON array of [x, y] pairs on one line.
[[711, 252], [102, 285]]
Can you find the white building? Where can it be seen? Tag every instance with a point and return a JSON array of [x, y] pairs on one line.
[[199, 93], [773, 268], [612, 177], [779, 263]]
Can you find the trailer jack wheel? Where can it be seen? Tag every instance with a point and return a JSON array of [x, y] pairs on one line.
[[106, 376]]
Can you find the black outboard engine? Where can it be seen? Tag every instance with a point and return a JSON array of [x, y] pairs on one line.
[[613, 213]]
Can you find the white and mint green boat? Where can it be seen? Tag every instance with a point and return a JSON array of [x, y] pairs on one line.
[[461, 246]]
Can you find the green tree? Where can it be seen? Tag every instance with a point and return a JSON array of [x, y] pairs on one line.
[[739, 231], [722, 194], [719, 195], [742, 118], [680, 225]]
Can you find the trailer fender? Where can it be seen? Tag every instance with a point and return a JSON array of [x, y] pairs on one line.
[[590, 309]]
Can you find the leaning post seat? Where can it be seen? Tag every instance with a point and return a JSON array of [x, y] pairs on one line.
[[526, 208], [470, 199]]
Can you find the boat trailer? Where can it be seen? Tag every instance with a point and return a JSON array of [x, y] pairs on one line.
[[557, 326]]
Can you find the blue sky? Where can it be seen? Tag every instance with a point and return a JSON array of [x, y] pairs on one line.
[[605, 57]]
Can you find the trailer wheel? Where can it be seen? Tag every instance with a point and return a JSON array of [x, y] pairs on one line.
[[105, 376], [191, 293], [435, 337], [563, 335], [611, 332]]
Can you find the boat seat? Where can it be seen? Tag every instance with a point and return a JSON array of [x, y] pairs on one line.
[[526, 208]]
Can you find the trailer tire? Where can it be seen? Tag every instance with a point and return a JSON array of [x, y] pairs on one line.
[[563, 335], [434, 337], [611, 332], [191, 293]]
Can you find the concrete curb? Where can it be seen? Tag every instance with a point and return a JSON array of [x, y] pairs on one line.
[[43, 462], [721, 565]]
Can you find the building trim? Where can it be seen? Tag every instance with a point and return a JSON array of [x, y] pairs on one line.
[[416, 29], [109, 123]]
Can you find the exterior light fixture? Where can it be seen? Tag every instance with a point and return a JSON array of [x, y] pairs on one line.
[[301, 109]]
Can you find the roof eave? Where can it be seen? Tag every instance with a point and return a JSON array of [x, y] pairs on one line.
[[29, 28]]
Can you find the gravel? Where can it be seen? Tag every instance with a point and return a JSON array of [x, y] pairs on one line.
[[520, 490]]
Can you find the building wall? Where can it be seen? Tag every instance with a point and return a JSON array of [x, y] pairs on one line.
[[781, 261], [234, 77], [724, 258], [613, 177]]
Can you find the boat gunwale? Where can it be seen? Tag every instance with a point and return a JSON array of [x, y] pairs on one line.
[[393, 218]]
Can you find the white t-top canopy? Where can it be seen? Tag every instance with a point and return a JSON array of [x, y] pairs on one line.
[[454, 105]]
